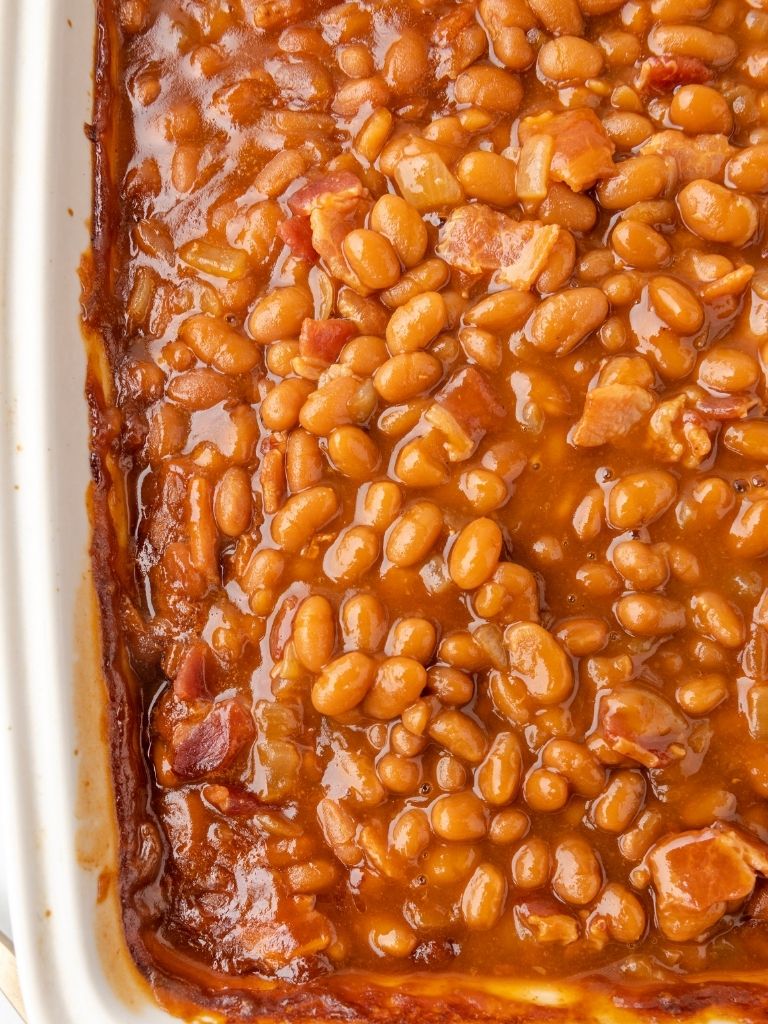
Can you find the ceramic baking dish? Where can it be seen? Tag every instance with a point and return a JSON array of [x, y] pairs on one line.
[[59, 823], [58, 811]]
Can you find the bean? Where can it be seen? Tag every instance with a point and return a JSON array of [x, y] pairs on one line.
[[415, 323], [564, 320], [676, 304], [460, 817], [717, 215], [333, 405], [411, 834], [353, 452], [404, 376], [578, 876], [577, 764], [414, 534], [448, 864], [475, 554], [748, 534], [356, 550], [364, 622], [460, 735], [692, 41], [218, 345], [568, 58], [619, 805], [508, 826], [343, 684], [482, 901], [539, 661], [545, 791], [389, 935], [302, 516], [749, 439], [531, 864], [413, 638], [282, 405], [372, 258], [233, 501], [488, 177], [639, 499], [280, 314], [399, 774], [381, 503], [314, 633], [718, 619], [637, 179], [640, 245], [450, 685], [700, 108], [650, 614], [399, 682], [748, 169], [401, 223], [489, 87], [498, 777], [702, 694], [303, 461]]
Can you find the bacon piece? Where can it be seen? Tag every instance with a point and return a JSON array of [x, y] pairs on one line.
[[296, 232], [211, 743], [664, 74], [583, 153], [547, 921], [335, 204], [641, 724], [324, 339], [307, 198], [698, 156], [464, 410], [678, 434], [189, 683], [610, 412], [698, 876], [234, 802], [476, 239]]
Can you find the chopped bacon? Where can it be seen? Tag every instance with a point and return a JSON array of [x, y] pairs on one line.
[[233, 801], [465, 409], [324, 339], [699, 876], [336, 204], [306, 199], [678, 434], [610, 412], [211, 743], [641, 724], [698, 156], [476, 239], [547, 921], [189, 683], [664, 74], [583, 153], [296, 232]]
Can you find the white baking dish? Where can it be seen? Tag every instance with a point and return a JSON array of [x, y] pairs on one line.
[[59, 840], [57, 802]]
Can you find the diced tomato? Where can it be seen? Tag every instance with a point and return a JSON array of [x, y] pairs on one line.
[[324, 339], [212, 742], [296, 232]]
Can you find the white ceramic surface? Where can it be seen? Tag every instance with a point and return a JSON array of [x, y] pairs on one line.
[[46, 49]]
